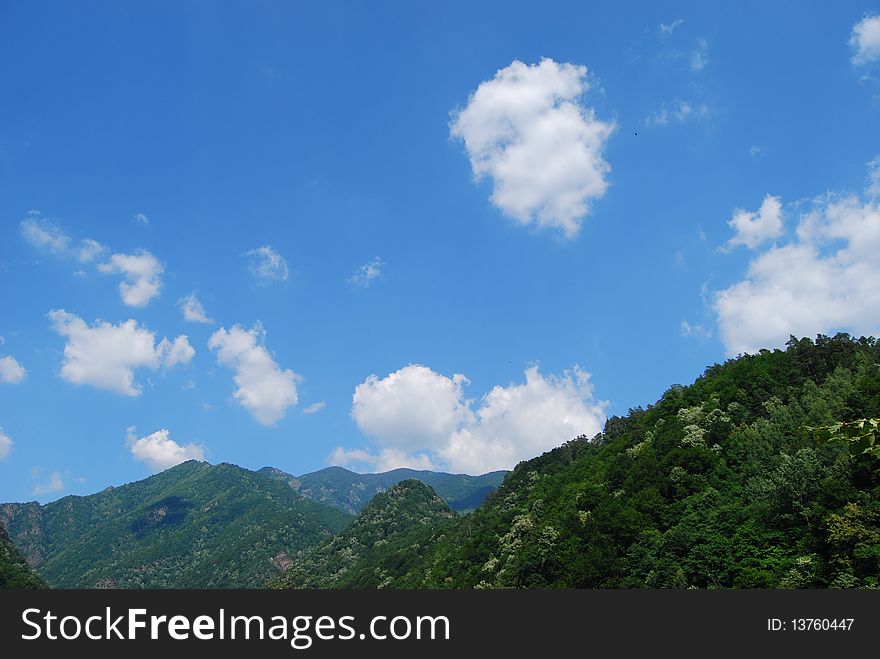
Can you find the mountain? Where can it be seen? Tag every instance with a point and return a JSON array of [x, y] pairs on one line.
[[195, 525], [388, 535], [350, 492], [721, 484], [15, 573]]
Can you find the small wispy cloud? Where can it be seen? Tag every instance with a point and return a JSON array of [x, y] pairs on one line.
[[700, 55], [193, 309], [873, 189], [755, 151], [695, 331], [54, 484], [679, 111], [366, 274], [6, 444], [314, 407], [665, 30], [140, 218], [47, 236], [266, 265]]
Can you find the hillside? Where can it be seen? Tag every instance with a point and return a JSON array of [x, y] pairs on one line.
[[720, 484], [350, 492], [193, 526], [15, 573], [386, 537]]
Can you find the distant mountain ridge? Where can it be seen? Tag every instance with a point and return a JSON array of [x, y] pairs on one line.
[[350, 492], [195, 525]]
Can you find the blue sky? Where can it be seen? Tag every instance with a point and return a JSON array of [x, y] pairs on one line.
[[427, 234]]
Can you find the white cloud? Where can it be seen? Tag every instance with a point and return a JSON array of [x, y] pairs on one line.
[[193, 309], [679, 111], [865, 40], [419, 417], [700, 56], [267, 265], [755, 151], [6, 444], [89, 250], [140, 218], [314, 407], [755, 228], [695, 331], [824, 280], [54, 484], [159, 451], [44, 234], [366, 274], [176, 352], [47, 236], [411, 408], [528, 131], [142, 272], [11, 372], [263, 388], [105, 355], [665, 30]]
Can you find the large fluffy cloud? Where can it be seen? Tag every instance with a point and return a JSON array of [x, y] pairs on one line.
[[142, 272], [5, 444], [865, 40], [755, 228], [159, 451], [527, 130], [420, 418], [11, 372], [105, 355], [264, 389], [824, 280]]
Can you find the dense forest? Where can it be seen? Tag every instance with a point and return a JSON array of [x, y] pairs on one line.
[[387, 538], [740, 480], [193, 526], [198, 525], [15, 573]]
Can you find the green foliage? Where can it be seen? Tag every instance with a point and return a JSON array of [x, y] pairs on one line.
[[15, 573], [388, 538], [192, 526], [861, 435], [720, 484], [350, 492]]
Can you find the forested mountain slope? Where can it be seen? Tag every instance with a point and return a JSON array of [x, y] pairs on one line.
[[193, 526], [386, 537], [719, 484], [15, 573]]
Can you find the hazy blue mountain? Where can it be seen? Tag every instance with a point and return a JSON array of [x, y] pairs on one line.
[[350, 491]]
